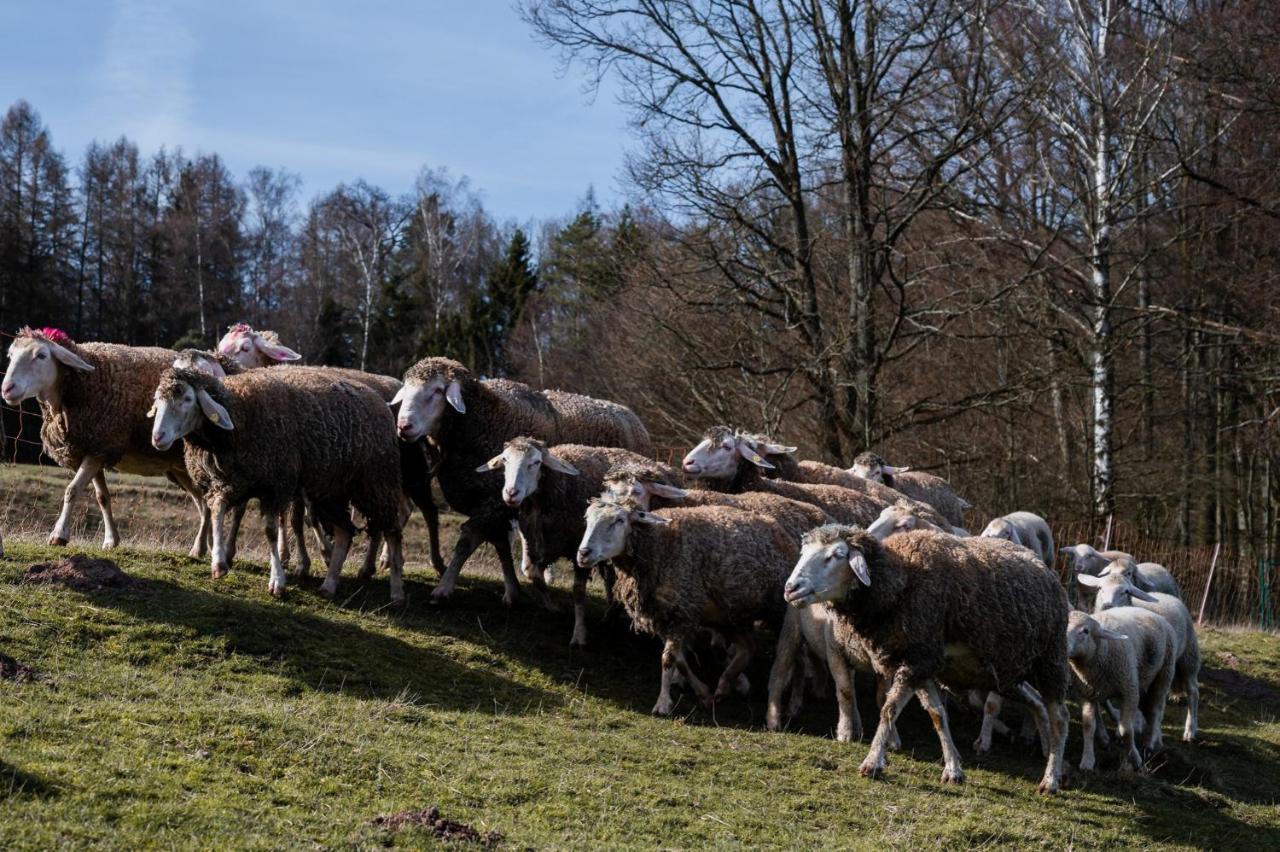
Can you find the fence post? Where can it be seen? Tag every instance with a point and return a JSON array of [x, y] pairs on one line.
[[1106, 539], [1212, 565]]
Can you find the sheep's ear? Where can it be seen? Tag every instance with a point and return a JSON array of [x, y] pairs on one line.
[[71, 359], [215, 412], [559, 465], [891, 470], [453, 393], [669, 492], [858, 564], [1014, 537], [1089, 580], [494, 463], [1104, 633], [752, 456], [398, 398], [1135, 592], [777, 449], [276, 352], [151, 412], [644, 517]]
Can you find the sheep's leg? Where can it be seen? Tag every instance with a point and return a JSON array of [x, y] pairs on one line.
[[84, 474], [783, 669], [420, 496], [894, 743], [932, 701], [298, 521], [511, 586], [221, 563], [276, 581], [742, 652], [1089, 727], [370, 565], [341, 544], [233, 533], [1126, 732], [1058, 719], [395, 565], [324, 541], [665, 704], [200, 547], [849, 727], [1037, 715], [110, 534], [282, 539], [699, 688], [990, 716], [468, 540], [580, 578], [895, 698], [1191, 685]]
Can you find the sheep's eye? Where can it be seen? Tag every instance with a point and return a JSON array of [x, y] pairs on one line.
[[42, 356], [535, 462]]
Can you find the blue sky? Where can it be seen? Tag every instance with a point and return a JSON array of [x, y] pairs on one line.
[[331, 90]]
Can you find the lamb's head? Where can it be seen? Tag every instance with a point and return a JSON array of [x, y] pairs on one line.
[[34, 357], [609, 523], [182, 399], [1000, 528], [1124, 566], [833, 560], [721, 450], [898, 517], [522, 461], [1113, 591], [198, 359], [428, 386], [871, 467], [1085, 635], [252, 349], [640, 484]]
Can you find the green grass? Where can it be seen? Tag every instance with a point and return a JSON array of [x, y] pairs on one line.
[[184, 712]]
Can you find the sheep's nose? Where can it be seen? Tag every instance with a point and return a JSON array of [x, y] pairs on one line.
[[584, 556], [690, 466], [789, 587], [7, 390], [403, 428], [509, 495]]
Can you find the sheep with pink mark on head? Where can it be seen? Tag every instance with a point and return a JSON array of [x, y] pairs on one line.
[[251, 349]]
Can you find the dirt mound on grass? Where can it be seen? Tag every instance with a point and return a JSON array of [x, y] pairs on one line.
[[78, 572], [1239, 685], [444, 829], [11, 669]]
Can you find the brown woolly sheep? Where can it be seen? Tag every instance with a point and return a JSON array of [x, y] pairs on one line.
[[271, 435], [470, 420], [94, 399], [679, 570], [917, 485], [552, 487], [936, 609]]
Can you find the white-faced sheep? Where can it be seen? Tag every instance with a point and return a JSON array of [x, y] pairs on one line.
[[1027, 529], [1115, 591], [470, 420], [1128, 654], [244, 348], [935, 609], [925, 487], [1148, 576], [680, 570], [271, 435], [552, 487], [94, 399]]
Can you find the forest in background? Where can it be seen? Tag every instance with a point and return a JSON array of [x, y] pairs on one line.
[[1031, 247]]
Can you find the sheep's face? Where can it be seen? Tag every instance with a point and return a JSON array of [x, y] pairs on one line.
[[194, 359], [893, 519], [718, 455], [252, 349], [869, 470], [1085, 634], [608, 525], [1113, 591], [522, 463], [1126, 568], [826, 571], [422, 406], [177, 411], [1002, 529], [33, 368], [641, 491], [1083, 557]]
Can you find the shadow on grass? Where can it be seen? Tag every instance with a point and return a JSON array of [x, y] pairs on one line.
[[303, 641], [16, 783]]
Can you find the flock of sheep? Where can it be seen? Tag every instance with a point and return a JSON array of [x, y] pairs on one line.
[[865, 570]]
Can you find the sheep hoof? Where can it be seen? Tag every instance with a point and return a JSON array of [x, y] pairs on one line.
[[439, 596], [439, 566], [110, 544], [57, 541], [365, 575], [871, 768], [981, 746], [662, 708], [303, 571], [510, 599], [277, 592], [953, 776], [197, 553], [219, 571], [1048, 787], [1086, 765]]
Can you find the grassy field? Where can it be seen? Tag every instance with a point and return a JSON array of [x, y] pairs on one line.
[[182, 712]]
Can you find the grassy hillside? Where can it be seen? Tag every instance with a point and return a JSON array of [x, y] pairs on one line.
[[182, 712]]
